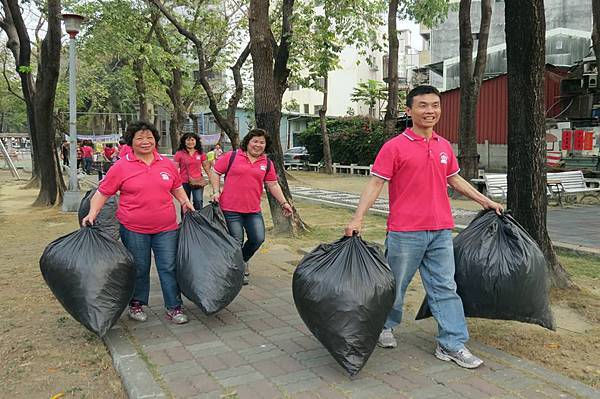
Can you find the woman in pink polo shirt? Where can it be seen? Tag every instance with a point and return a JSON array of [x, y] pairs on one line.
[[87, 155], [191, 160], [239, 199], [147, 182]]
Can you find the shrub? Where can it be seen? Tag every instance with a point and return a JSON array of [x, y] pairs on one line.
[[353, 140]]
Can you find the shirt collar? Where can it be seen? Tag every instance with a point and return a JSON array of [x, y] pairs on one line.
[[130, 156], [263, 156], [412, 136]]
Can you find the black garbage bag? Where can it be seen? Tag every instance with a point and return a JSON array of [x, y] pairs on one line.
[[500, 272], [106, 220], [344, 291], [91, 275], [210, 265]]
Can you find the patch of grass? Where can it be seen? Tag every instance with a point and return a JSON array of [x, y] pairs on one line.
[[579, 265]]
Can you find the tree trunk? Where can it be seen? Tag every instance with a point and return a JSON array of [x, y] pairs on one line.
[[525, 49], [39, 98], [179, 114], [140, 87], [596, 32], [270, 80], [470, 84], [323, 123], [391, 113]]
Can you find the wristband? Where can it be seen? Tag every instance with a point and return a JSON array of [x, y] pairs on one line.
[[283, 203]]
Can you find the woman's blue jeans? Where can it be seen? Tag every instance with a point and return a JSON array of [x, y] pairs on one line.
[[195, 194], [164, 247], [254, 225], [432, 253]]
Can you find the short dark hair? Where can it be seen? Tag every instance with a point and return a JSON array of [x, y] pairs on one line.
[[135, 126], [256, 133], [420, 90], [186, 136]]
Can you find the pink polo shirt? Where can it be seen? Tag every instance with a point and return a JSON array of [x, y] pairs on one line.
[[417, 171], [124, 150], [86, 151], [189, 165], [145, 205], [244, 183]]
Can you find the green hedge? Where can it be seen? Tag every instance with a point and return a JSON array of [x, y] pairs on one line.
[[353, 140]]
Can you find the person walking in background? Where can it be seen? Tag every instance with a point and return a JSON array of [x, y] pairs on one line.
[[418, 164], [109, 154], [147, 181], [87, 156], [191, 160], [124, 149], [78, 152], [246, 171], [64, 151], [218, 151]]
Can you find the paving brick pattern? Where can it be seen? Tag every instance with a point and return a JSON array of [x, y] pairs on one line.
[[259, 347]]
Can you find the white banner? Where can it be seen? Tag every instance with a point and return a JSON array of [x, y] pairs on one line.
[[210, 139], [105, 138]]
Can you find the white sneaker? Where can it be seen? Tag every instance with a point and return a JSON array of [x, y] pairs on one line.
[[386, 339], [136, 311], [464, 357], [177, 316]]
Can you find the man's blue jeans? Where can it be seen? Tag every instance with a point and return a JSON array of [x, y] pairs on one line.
[[254, 225], [164, 247], [195, 194], [432, 253]]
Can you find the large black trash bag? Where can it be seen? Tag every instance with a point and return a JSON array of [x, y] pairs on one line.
[[91, 275], [210, 265], [106, 220], [500, 272], [344, 291]]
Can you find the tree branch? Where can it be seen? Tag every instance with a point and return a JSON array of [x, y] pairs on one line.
[[484, 33], [281, 71], [8, 84]]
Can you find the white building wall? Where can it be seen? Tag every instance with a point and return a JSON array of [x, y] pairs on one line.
[[353, 70]]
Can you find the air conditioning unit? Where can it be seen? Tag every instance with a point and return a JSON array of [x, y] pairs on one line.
[[592, 80]]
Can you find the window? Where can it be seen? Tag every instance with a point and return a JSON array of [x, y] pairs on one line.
[[321, 83], [306, 108], [317, 108], [294, 87]]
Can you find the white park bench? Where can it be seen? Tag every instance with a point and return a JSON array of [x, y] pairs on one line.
[[560, 184], [573, 183]]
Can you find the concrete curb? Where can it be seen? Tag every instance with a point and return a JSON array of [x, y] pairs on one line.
[[133, 370]]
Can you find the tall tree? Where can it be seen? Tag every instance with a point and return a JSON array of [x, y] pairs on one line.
[[470, 84], [391, 112], [329, 26], [207, 62], [427, 12], [38, 92], [596, 31], [525, 50], [270, 66]]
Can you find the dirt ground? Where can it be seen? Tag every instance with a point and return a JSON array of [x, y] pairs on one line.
[[45, 352]]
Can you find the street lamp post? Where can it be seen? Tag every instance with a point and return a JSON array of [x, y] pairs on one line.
[[72, 197]]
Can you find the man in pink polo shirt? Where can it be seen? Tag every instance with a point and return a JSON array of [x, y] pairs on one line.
[[418, 164]]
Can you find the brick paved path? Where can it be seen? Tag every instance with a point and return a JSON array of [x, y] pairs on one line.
[[258, 347]]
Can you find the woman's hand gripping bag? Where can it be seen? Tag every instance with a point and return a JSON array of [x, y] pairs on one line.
[[344, 291]]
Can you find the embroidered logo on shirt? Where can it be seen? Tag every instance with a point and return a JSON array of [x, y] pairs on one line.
[[164, 175], [263, 167], [443, 158]]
